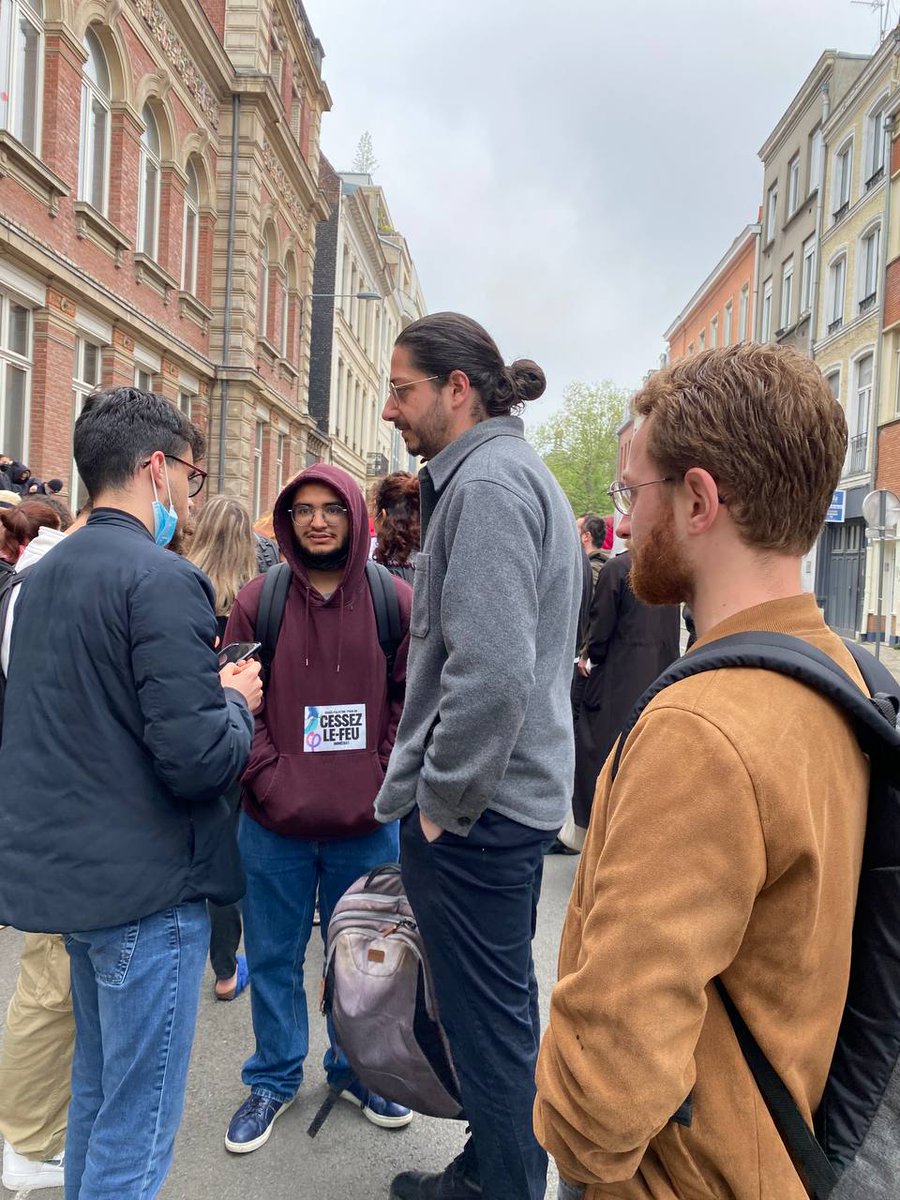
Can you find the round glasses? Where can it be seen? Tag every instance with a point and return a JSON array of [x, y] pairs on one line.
[[332, 514], [622, 494]]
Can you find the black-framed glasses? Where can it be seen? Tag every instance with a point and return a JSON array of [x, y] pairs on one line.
[[622, 494], [396, 388], [332, 514], [196, 476]]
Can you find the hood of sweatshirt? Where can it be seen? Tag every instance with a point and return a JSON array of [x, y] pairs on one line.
[[358, 552]]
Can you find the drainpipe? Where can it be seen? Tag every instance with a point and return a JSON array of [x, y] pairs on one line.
[[229, 285], [754, 298], [820, 209], [876, 371]]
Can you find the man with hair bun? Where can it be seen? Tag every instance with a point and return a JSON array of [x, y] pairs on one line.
[[727, 845], [481, 773]]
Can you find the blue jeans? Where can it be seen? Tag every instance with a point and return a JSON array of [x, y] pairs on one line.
[[283, 875], [135, 993]]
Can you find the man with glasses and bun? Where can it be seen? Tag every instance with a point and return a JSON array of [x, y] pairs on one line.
[[481, 775], [121, 736], [322, 743]]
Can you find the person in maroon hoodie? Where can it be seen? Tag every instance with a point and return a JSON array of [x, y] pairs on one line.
[[322, 742]]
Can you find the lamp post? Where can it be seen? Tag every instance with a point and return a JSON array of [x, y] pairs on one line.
[[337, 296]]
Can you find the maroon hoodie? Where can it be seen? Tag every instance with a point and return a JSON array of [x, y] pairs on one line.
[[327, 727]]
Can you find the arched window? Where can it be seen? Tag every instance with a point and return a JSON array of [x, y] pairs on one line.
[[191, 232], [21, 68], [268, 259], [288, 286], [93, 168], [148, 205], [264, 289]]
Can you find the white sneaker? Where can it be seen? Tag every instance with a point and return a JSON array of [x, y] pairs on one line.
[[22, 1174]]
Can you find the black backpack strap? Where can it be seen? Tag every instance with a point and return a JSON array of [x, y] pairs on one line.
[[812, 1164], [801, 661], [272, 600], [387, 611]]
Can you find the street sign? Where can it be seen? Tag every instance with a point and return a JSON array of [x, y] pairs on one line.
[[837, 507], [882, 512]]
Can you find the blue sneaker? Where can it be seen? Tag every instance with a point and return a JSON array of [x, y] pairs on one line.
[[252, 1124], [376, 1109]]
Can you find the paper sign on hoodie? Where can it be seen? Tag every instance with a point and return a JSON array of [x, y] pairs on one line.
[[329, 727]]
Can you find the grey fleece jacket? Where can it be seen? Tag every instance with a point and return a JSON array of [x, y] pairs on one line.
[[488, 721]]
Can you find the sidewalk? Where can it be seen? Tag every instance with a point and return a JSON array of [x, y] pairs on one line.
[[890, 656]]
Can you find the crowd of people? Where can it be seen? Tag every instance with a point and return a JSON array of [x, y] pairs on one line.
[[169, 786]]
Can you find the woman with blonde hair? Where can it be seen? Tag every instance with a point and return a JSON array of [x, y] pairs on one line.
[[224, 548]]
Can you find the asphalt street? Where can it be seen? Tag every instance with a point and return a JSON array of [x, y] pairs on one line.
[[350, 1159]]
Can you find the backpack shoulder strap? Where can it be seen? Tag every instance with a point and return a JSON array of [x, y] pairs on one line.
[[810, 1160], [799, 660], [272, 600], [387, 611]]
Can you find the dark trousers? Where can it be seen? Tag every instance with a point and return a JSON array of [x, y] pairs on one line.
[[475, 900], [579, 683], [224, 938]]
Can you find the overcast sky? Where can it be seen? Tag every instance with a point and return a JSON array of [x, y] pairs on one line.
[[568, 173]]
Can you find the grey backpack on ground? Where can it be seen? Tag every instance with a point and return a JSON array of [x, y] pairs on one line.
[[380, 996]]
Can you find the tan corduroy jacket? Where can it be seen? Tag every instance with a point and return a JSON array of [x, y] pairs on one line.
[[729, 844]]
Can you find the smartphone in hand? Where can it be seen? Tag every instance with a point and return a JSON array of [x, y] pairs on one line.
[[237, 652]]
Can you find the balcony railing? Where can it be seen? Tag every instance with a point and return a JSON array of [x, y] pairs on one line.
[[867, 302], [835, 325], [376, 464], [858, 447], [841, 212], [873, 179]]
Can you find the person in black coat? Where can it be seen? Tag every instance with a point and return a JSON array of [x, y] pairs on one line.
[[120, 739], [628, 645]]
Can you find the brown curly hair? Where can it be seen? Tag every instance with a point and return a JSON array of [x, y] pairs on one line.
[[763, 422], [20, 524], [397, 496]]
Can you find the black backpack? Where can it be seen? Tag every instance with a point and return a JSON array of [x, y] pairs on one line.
[[854, 1153], [273, 598], [9, 581]]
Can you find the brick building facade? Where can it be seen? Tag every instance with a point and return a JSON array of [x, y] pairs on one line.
[[720, 312], [159, 198]]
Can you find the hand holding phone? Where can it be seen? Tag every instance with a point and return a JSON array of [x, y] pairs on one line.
[[244, 677], [236, 652]]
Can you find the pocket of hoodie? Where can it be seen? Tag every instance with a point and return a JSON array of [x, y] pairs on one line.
[[420, 617], [328, 790]]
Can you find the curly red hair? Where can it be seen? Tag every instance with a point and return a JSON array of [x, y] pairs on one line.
[[397, 498]]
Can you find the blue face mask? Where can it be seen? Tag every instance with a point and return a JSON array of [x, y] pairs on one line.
[[165, 521]]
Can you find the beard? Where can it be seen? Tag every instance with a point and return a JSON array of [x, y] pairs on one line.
[[432, 435], [660, 572], [325, 560]]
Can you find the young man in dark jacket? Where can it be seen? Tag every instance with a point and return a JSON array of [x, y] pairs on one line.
[[322, 742], [120, 738]]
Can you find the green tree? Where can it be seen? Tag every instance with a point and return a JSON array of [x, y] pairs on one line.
[[580, 445]]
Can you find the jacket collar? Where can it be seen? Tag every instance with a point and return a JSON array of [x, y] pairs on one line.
[[434, 477], [115, 516], [444, 465]]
